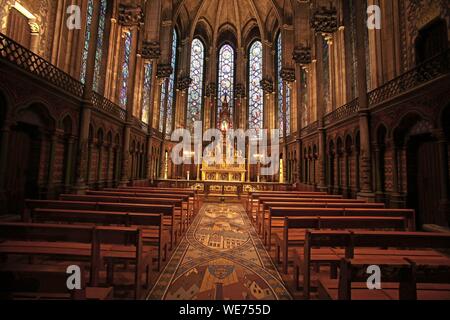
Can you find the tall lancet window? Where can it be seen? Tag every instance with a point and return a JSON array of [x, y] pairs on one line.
[[255, 99], [195, 96], [99, 44], [146, 92], [169, 91], [226, 79], [125, 69], [284, 115]]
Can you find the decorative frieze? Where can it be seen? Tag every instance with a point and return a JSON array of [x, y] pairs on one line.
[[325, 20], [164, 71], [302, 55], [267, 85], [130, 15], [287, 74], [151, 50]]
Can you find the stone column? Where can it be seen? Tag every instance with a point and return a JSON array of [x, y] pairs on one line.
[[99, 163], [395, 199], [444, 205], [69, 164], [82, 154], [364, 125], [51, 163]]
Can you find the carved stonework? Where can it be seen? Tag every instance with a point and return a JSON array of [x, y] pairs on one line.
[[302, 55], [267, 85], [324, 20], [287, 74], [130, 15], [184, 83], [164, 71], [151, 50], [211, 90], [239, 91]]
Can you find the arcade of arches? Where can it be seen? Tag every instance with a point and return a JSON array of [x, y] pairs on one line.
[[362, 113]]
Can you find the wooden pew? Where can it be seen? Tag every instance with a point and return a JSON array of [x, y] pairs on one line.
[[191, 193], [267, 204], [277, 193], [329, 247], [294, 230], [276, 214], [97, 245], [298, 198], [170, 219], [175, 201], [153, 230], [187, 205], [31, 282], [254, 196], [401, 279]]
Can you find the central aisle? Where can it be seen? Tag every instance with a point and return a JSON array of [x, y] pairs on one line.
[[220, 258]]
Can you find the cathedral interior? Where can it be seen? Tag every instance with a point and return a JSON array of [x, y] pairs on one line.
[[91, 93]]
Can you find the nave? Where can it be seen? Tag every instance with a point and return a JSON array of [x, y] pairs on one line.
[[173, 244]]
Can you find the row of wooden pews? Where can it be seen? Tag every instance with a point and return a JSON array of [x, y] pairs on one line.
[[127, 229], [315, 235]]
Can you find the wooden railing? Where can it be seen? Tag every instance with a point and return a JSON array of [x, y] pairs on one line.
[[28, 61], [312, 127], [343, 112]]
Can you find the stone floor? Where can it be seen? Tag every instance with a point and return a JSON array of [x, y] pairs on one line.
[[220, 258]]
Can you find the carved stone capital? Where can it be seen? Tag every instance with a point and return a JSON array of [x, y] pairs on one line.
[[151, 50], [211, 89], [164, 71], [239, 91], [325, 20], [184, 83], [130, 15], [267, 85], [287, 74], [302, 55]]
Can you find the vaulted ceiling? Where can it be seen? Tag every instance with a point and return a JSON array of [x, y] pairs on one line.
[[243, 19]]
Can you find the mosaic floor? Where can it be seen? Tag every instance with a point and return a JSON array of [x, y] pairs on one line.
[[220, 258]]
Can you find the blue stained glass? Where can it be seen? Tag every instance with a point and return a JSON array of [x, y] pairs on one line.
[[226, 79], [87, 38], [255, 99], [99, 44], [146, 92], [170, 92], [284, 116], [194, 108], [125, 69]]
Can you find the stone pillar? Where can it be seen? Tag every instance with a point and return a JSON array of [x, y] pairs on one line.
[[364, 125], [51, 164], [444, 205], [395, 199], [99, 163], [82, 154], [379, 194], [69, 164]]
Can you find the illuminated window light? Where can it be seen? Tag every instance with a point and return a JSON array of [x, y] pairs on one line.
[[23, 11]]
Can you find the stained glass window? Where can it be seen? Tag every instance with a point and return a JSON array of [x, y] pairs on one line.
[[125, 69], [194, 111], [146, 92], [99, 45], [170, 91], [283, 115], [226, 78], [255, 99], [326, 76]]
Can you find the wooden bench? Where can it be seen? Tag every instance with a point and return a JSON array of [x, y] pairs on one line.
[[401, 279], [329, 247], [34, 282], [97, 245], [170, 219], [186, 199], [266, 205], [180, 210], [278, 193], [153, 230], [294, 229], [191, 193], [277, 214]]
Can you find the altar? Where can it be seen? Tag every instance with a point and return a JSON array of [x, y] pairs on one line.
[[225, 171]]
